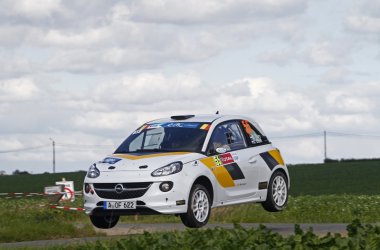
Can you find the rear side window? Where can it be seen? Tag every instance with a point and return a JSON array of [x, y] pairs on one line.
[[255, 137]]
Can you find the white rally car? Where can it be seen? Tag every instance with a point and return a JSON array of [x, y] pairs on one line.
[[186, 165]]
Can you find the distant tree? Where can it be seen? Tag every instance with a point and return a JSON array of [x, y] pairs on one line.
[[2, 172], [18, 172], [328, 160]]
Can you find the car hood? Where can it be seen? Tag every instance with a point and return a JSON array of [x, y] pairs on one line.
[[146, 161]]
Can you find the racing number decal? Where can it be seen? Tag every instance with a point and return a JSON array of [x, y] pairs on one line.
[[225, 168], [217, 161]]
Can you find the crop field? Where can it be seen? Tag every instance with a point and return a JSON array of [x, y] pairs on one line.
[[37, 182], [358, 177]]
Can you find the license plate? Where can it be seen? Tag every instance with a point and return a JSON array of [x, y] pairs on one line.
[[119, 205]]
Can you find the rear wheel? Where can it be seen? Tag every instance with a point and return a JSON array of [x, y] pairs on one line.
[[277, 196], [104, 221], [199, 207]]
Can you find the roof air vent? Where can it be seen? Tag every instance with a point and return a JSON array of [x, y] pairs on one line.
[[181, 117]]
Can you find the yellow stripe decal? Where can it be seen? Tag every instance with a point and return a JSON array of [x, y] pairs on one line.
[[138, 157], [224, 178], [277, 156]]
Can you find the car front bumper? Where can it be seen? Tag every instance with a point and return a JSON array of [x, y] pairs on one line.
[[153, 201]]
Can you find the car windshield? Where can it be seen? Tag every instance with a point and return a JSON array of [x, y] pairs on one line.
[[166, 137]]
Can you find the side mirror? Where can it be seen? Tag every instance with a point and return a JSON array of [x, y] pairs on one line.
[[221, 150]]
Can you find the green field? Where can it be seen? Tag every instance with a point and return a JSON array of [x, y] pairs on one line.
[[37, 182], [358, 177]]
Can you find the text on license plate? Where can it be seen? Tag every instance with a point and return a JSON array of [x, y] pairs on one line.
[[119, 205]]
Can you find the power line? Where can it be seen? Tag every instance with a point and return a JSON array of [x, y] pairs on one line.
[[24, 149], [352, 134], [83, 145], [297, 136]]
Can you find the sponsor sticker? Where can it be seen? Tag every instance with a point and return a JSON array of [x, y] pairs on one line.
[[110, 160], [225, 159], [172, 125]]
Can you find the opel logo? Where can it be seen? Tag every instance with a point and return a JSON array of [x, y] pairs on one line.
[[119, 188]]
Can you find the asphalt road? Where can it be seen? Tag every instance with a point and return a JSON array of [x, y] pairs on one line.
[[123, 229]]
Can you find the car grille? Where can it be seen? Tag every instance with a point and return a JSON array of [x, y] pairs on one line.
[[129, 191]]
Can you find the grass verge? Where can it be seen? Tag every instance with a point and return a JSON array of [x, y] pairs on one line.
[[31, 219], [23, 219]]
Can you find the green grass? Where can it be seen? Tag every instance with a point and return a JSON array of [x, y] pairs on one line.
[[25, 219], [334, 192], [357, 177], [31, 219]]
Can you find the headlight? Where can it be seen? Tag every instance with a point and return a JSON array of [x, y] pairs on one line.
[[172, 168], [93, 172]]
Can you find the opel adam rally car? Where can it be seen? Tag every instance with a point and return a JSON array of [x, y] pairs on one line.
[[186, 165]]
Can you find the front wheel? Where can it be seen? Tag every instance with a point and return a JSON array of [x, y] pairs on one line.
[[104, 221], [277, 196], [199, 207]]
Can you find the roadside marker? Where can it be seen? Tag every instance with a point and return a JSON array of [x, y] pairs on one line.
[[68, 208], [25, 194]]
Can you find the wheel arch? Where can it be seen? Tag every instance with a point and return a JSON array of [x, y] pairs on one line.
[[282, 170], [205, 181]]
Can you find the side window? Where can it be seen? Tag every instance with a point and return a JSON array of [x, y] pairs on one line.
[[254, 136], [227, 135]]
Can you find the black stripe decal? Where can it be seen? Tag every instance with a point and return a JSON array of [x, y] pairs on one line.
[[235, 171], [269, 160]]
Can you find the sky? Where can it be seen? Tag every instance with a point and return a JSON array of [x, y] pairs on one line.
[[87, 73]]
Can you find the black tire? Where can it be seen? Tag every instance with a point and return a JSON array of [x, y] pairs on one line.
[[189, 219], [104, 221], [270, 204]]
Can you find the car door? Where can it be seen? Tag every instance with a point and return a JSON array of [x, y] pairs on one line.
[[258, 145], [230, 153]]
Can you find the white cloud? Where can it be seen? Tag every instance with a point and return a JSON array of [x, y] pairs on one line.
[[280, 58], [364, 17], [37, 8], [171, 11], [328, 53], [364, 23], [18, 90], [148, 89]]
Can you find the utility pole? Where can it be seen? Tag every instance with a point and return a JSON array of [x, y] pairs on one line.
[[53, 144], [325, 142]]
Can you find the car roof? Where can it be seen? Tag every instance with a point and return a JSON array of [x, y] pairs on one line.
[[198, 118]]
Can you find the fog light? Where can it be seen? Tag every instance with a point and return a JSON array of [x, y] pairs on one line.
[[87, 188], [166, 186]]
